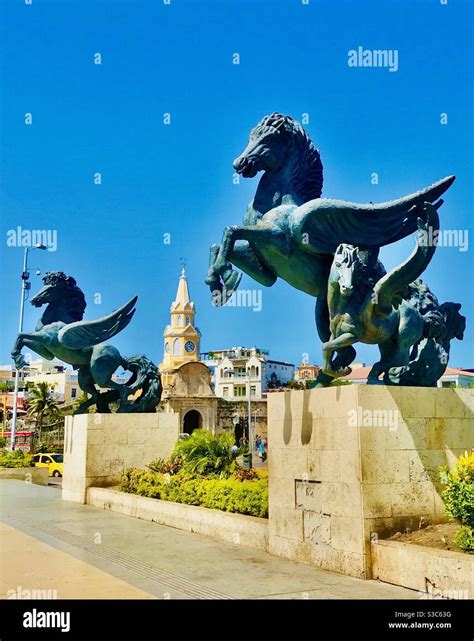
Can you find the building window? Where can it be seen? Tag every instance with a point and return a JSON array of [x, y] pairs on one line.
[[253, 390], [187, 320], [239, 390], [176, 347], [73, 392], [448, 384], [180, 318], [225, 392]]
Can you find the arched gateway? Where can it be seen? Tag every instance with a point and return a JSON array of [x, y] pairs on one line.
[[192, 421]]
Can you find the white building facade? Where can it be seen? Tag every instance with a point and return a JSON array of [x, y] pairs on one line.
[[238, 370], [63, 380]]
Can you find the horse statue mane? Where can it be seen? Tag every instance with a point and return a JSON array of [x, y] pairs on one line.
[[71, 295], [306, 172]]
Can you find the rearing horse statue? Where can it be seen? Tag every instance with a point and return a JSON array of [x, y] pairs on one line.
[[62, 333], [290, 232]]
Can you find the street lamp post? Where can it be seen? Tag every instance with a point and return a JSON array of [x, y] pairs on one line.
[[249, 413], [25, 287]]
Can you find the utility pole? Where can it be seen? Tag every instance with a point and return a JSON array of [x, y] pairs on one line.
[[25, 287]]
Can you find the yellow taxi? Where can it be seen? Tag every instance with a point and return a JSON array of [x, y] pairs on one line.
[[54, 463]]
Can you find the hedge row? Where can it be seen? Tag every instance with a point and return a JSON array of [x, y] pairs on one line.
[[17, 458], [229, 495]]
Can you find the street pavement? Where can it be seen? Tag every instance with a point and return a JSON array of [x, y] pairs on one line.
[[85, 552]]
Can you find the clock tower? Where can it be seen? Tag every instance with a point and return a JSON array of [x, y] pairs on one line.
[[181, 338]]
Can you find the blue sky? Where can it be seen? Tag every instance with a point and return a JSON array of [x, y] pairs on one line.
[[177, 178]]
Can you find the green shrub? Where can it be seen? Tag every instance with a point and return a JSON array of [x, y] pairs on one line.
[[207, 453], [130, 480], [229, 495], [17, 458], [465, 538], [458, 498]]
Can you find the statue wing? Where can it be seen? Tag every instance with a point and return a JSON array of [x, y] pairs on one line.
[[84, 334], [321, 225], [391, 288]]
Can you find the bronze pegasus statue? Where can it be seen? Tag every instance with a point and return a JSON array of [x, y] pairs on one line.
[[62, 333], [370, 306], [290, 232]]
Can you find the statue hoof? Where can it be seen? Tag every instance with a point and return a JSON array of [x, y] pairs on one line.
[[337, 373], [231, 284], [221, 293], [20, 362], [81, 410]]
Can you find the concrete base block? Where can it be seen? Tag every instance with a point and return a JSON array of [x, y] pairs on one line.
[[98, 448], [239, 529], [439, 573], [36, 475], [356, 463]]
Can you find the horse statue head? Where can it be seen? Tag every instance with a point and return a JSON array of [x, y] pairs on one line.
[[280, 143], [65, 301], [346, 267], [355, 268]]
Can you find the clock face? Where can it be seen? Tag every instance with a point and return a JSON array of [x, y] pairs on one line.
[[189, 346]]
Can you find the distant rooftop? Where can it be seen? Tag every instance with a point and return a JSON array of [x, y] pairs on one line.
[[363, 372]]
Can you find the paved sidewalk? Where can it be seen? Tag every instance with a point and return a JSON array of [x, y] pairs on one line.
[[28, 564], [82, 551]]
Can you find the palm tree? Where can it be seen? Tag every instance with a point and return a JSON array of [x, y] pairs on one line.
[[206, 453], [41, 405]]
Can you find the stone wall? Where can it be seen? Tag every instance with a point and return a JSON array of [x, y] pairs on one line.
[[98, 448], [351, 463], [442, 573], [226, 410], [36, 475]]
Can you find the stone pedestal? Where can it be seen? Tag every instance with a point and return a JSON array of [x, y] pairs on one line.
[[98, 448], [352, 463]]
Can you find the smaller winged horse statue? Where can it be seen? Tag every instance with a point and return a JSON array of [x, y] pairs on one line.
[[61, 333], [393, 310]]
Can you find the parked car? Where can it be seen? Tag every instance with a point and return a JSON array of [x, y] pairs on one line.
[[54, 463]]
